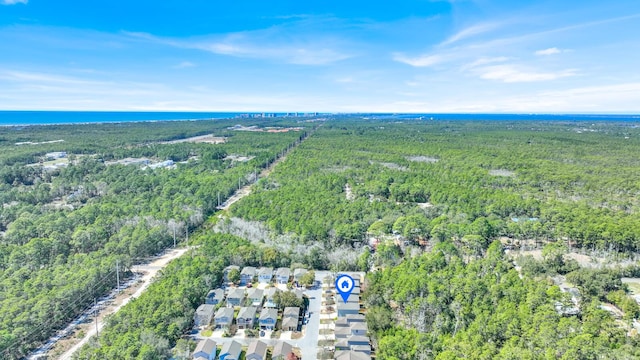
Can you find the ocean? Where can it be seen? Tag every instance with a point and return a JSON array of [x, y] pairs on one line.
[[16, 118], [9, 118]]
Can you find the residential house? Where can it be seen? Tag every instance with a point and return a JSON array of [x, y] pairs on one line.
[[298, 274], [203, 315], [290, 324], [214, 297], [362, 348], [223, 318], [255, 296], [246, 317], [265, 274], [354, 329], [283, 275], [205, 350], [291, 312], [290, 318], [342, 332], [230, 351], [348, 308], [351, 355], [346, 344], [247, 274], [354, 298], [359, 328], [355, 318], [269, 294], [227, 270], [257, 350], [235, 297], [281, 350], [268, 319]]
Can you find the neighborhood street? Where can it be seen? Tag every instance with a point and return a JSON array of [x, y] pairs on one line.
[[308, 343]]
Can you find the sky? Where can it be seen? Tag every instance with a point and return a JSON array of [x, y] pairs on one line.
[[419, 56]]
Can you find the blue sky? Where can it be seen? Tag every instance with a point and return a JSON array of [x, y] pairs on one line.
[[375, 56]]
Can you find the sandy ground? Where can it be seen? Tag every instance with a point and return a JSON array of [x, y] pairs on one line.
[[149, 271]]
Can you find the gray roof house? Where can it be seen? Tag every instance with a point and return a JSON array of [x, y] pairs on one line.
[[355, 318], [283, 275], [203, 315], [291, 312], [281, 350], [265, 274], [223, 318], [268, 319], [246, 317], [349, 308], [214, 297], [257, 350], [235, 297], [351, 355], [247, 274], [346, 344], [289, 324], [255, 296], [230, 351], [205, 350]]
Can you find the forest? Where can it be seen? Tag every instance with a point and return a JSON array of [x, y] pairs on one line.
[[426, 207], [64, 230], [439, 306], [545, 181]]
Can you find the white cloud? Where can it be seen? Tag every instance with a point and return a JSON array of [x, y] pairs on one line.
[[420, 61], [470, 32], [13, 2], [549, 51], [484, 61], [261, 44], [514, 74], [184, 64]]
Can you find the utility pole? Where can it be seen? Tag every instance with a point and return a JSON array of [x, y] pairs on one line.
[[118, 274], [187, 232], [95, 309], [218, 198], [174, 234]]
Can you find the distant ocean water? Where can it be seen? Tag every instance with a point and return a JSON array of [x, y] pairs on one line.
[[77, 117], [13, 118]]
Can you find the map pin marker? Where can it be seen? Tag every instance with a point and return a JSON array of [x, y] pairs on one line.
[[345, 285]]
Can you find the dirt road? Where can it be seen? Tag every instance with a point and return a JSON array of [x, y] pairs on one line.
[[149, 271]]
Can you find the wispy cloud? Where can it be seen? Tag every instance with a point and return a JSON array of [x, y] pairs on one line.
[[484, 61], [419, 61], [13, 2], [471, 32], [262, 44], [184, 64], [549, 51], [513, 74]]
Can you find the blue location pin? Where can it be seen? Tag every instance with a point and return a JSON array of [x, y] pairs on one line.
[[345, 285]]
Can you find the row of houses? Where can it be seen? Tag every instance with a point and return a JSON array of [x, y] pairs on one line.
[[248, 317], [352, 342], [265, 275], [257, 350], [234, 296]]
